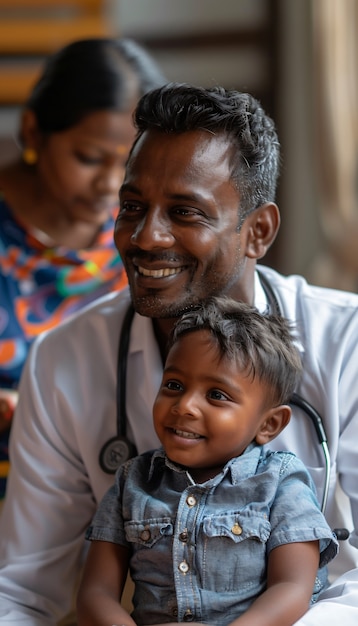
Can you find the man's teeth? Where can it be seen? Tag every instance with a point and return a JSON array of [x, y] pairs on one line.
[[183, 433], [168, 271]]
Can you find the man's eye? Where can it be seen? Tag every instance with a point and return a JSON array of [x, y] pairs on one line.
[[186, 211], [129, 207]]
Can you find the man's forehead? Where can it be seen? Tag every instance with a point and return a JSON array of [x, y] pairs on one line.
[[188, 144]]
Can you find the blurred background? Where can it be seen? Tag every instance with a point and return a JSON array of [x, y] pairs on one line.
[[299, 58]]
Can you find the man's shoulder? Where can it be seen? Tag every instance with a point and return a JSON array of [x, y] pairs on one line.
[[294, 293], [104, 313]]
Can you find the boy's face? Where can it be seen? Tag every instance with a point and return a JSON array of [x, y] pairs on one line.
[[206, 411]]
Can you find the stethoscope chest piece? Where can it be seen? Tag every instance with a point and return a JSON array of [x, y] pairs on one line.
[[115, 452]]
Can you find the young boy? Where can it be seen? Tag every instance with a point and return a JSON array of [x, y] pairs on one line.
[[214, 528]]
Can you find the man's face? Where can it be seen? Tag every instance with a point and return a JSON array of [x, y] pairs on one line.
[[177, 230]]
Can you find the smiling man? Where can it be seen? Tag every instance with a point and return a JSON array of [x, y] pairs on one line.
[[179, 233], [197, 211]]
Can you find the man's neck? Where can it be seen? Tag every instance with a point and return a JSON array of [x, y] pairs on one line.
[[162, 329]]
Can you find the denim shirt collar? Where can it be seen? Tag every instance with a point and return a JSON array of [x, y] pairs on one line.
[[239, 467]]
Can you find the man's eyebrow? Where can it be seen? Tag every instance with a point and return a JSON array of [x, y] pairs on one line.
[[191, 197], [184, 197], [129, 187]]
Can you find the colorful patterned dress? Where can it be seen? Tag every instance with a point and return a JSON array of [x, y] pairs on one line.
[[40, 287]]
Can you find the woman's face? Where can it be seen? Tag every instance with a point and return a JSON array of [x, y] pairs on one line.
[[81, 169]]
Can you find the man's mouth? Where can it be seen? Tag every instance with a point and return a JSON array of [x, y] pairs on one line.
[[159, 273]]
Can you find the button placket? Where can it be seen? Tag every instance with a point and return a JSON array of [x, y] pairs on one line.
[[183, 567], [191, 500], [187, 511]]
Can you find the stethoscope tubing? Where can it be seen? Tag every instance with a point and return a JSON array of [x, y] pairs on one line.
[[316, 419]]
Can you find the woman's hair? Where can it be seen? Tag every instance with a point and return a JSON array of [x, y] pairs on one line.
[[261, 345], [90, 75], [178, 108]]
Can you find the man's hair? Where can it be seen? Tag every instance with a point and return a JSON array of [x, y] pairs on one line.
[[177, 108], [262, 345]]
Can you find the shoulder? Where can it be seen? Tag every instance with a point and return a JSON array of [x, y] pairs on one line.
[[294, 288], [284, 461], [138, 468], [98, 322], [313, 309]]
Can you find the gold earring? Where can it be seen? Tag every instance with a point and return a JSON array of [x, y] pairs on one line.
[[29, 156]]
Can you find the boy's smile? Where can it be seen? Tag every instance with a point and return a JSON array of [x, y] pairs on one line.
[[209, 414]]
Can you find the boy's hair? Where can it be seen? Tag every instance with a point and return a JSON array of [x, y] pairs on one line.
[[262, 345], [178, 108]]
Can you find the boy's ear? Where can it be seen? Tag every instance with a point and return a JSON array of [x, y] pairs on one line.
[[276, 420]]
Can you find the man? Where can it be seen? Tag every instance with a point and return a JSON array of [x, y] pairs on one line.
[[196, 213]]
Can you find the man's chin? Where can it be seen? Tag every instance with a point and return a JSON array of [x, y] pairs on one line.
[[159, 308]]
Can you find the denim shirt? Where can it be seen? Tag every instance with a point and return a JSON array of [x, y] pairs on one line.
[[199, 551]]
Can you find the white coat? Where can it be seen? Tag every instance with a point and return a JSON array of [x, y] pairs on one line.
[[67, 412]]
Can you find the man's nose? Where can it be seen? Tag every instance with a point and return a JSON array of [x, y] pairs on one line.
[[153, 230]]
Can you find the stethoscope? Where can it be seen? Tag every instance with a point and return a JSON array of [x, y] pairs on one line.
[[119, 449]]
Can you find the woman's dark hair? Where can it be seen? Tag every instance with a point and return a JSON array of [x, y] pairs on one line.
[[90, 75], [177, 108], [262, 345]]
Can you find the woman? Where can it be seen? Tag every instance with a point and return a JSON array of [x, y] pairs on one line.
[[58, 201]]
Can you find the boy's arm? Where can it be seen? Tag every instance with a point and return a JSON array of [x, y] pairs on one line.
[[104, 577], [292, 570]]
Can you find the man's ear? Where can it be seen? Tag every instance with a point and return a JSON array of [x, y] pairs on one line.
[[262, 227], [29, 130], [275, 420]]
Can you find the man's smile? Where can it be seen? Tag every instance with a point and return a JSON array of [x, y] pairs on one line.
[[159, 273]]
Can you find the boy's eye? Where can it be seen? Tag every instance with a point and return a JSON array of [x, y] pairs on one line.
[[215, 394], [173, 385]]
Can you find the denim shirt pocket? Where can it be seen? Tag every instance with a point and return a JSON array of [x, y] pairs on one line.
[[238, 526], [151, 569], [146, 533], [237, 539]]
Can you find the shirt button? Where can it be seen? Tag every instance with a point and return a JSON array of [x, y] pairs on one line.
[[236, 529], [183, 536], [188, 616], [145, 535], [191, 501], [183, 567]]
